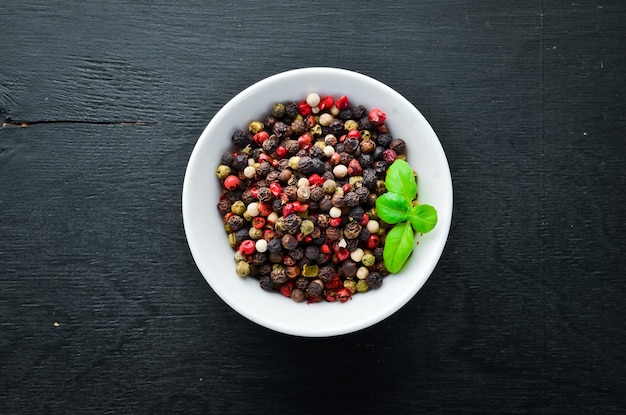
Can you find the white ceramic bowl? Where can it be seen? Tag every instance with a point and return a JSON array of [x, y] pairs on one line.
[[209, 243]]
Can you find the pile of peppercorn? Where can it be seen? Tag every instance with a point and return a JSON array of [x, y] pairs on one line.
[[299, 196]]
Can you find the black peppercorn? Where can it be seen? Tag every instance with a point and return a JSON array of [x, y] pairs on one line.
[[297, 127], [362, 192], [247, 196], [317, 193], [227, 158], [278, 275], [352, 230], [266, 282], [274, 245], [351, 145], [345, 114], [374, 280], [381, 168], [315, 288], [305, 165], [289, 242], [241, 138], [302, 283], [312, 252], [384, 140], [348, 268], [351, 199], [365, 123], [291, 109], [326, 273], [359, 112], [235, 222], [356, 213], [281, 130], [297, 253], [398, 145], [224, 206], [297, 295], [240, 162]]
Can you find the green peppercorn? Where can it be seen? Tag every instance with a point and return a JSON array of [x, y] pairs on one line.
[[310, 270], [362, 287], [242, 268], [306, 227], [350, 125], [368, 260], [278, 110], [239, 256], [238, 208], [255, 126], [350, 285], [222, 171]]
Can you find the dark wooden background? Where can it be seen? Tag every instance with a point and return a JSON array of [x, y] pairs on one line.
[[102, 309]]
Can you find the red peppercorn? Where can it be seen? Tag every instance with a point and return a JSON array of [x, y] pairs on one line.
[[330, 296], [335, 222], [265, 157], [299, 207], [354, 133], [304, 141], [260, 137], [268, 234], [288, 209], [373, 241], [354, 168], [264, 209], [258, 222], [314, 299], [343, 102], [254, 192], [316, 179], [232, 182], [286, 288], [325, 249], [304, 109], [347, 188], [342, 253], [326, 103], [281, 152], [344, 295], [376, 116], [334, 284], [276, 189], [364, 219], [247, 247]]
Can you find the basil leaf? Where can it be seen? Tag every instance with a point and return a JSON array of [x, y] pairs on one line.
[[423, 218], [400, 179], [392, 208], [398, 247]]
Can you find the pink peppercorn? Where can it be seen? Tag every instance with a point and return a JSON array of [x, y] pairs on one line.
[[343, 102], [247, 247], [343, 295], [373, 241], [304, 109], [354, 134], [281, 152], [232, 182], [376, 116], [326, 103]]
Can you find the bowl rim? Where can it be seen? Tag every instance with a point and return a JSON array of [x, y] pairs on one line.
[[444, 217]]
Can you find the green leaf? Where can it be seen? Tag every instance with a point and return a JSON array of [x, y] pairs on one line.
[[400, 179], [423, 218], [392, 208], [398, 247]]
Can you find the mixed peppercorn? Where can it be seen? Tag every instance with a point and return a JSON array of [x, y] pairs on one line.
[[299, 196]]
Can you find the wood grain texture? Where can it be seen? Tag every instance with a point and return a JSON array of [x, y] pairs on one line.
[[524, 313]]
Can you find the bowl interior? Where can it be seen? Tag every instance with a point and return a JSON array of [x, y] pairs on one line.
[[209, 243]]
